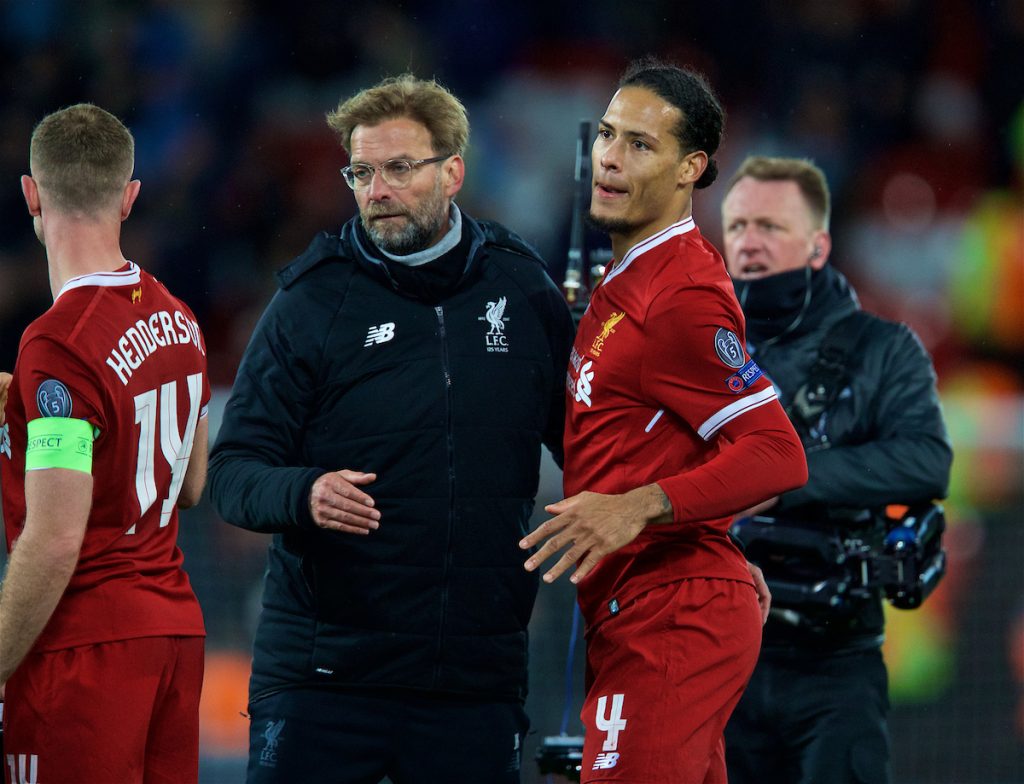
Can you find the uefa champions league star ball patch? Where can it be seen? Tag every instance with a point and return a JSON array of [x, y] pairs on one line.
[[53, 399], [729, 348]]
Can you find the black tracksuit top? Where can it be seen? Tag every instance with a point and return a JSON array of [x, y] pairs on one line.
[[448, 401]]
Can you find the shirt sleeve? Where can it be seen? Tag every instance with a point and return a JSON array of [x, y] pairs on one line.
[[54, 382], [695, 362], [762, 457], [204, 400]]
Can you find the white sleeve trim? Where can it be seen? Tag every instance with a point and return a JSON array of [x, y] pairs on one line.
[[725, 415]]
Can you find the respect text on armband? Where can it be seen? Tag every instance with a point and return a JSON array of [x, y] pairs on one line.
[[59, 442]]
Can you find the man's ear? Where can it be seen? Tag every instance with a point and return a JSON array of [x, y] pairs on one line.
[[131, 193], [30, 191], [454, 173], [691, 167], [820, 250]]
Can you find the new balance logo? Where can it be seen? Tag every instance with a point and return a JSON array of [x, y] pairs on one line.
[[5, 441], [606, 760], [24, 768], [612, 724], [380, 334]]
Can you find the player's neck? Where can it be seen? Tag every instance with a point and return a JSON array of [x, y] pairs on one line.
[[623, 242], [80, 247]]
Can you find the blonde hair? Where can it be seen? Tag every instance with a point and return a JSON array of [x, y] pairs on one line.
[[426, 102], [808, 178], [82, 157]]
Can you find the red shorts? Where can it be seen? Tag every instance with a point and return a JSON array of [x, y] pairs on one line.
[[663, 676], [125, 712]]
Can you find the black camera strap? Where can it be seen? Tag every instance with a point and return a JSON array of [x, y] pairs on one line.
[[829, 373]]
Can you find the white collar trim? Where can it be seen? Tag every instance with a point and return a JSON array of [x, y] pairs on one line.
[[675, 230], [128, 277]]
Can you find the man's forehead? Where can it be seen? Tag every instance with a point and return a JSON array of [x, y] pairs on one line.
[[635, 109], [751, 195], [397, 133]]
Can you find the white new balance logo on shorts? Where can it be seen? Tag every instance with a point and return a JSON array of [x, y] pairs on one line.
[[611, 723], [380, 334], [606, 760]]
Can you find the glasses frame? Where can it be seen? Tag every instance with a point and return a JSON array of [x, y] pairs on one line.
[[350, 179]]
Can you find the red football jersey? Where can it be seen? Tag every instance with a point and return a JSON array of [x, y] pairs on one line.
[[119, 351], [659, 366]]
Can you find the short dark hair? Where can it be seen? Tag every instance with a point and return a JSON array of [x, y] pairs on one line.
[[703, 121], [801, 171], [82, 156]]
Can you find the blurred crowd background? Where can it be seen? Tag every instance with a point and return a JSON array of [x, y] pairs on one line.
[[914, 109]]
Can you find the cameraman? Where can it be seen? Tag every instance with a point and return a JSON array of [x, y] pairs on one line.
[[815, 708]]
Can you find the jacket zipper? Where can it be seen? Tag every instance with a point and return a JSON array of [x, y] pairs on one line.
[[445, 365]]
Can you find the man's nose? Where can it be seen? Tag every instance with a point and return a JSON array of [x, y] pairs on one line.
[[611, 156], [747, 239], [378, 190]]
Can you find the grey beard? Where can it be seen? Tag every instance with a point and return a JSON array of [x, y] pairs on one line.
[[412, 239]]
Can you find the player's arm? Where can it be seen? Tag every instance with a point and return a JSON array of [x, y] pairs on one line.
[[57, 502], [762, 457], [5, 384], [761, 454], [195, 475]]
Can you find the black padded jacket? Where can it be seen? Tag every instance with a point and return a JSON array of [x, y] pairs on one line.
[[884, 438], [448, 400]]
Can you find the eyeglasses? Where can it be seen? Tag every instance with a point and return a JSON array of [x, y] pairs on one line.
[[397, 172]]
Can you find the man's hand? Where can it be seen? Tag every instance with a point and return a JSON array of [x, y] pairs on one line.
[[5, 384], [592, 525], [336, 503], [764, 596]]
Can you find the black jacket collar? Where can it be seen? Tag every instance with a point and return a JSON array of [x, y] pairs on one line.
[[829, 297]]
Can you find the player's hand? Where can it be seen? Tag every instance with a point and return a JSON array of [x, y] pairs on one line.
[[764, 596], [337, 503], [5, 385], [591, 525]]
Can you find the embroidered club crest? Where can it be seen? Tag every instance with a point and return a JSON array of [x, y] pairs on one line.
[[495, 317], [606, 330]]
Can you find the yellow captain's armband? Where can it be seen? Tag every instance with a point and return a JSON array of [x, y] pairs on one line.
[[59, 442]]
